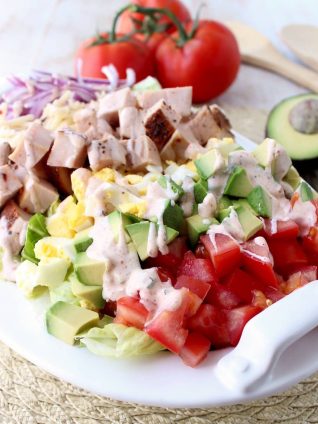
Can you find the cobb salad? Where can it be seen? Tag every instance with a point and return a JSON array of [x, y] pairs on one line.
[[144, 221]]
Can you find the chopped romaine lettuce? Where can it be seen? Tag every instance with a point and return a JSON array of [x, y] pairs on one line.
[[64, 293], [119, 341], [36, 231]]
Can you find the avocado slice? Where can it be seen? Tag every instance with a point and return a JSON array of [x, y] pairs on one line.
[[64, 321], [139, 236], [164, 180], [92, 294], [270, 155], [224, 213], [238, 183], [51, 272], [173, 216], [197, 225], [293, 123], [245, 204], [89, 271], [200, 190], [82, 241], [118, 219], [249, 222], [306, 192], [260, 201], [209, 163], [292, 178]]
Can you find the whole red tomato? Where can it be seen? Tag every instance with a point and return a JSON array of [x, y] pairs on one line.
[[209, 61], [122, 54], [126, 24]]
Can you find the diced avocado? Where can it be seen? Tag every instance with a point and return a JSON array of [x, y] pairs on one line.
[[197, 226], [133, 218], [224, 213], [224, 203], [306, 192], [263, 152], [292, 178], [245, 204], [200, 190], [64, 293], [164, 181], [293, 123], [260, 201], [147, 84], [82, 241], [89, 271], [51, 272], [64, 321], [92, 294], [249, 222], [118, 219], [209, 163], [238, 183], [139, 236], [195, 209], [173, 216]]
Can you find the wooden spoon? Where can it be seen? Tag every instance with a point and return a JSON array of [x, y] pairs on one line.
[[303, 41], [257, 50]]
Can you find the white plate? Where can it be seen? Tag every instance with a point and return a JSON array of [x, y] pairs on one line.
[[160, 380]]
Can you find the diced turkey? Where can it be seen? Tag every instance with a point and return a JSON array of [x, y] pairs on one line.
[[10, 184], [180, 140], [61, 178], [160, 123], [37, 195], [69, 150], [111, 103], [36, 143], [180, 99], [5, 151], [141, 152], [108, 152], [16, 221], [87, 123], [130, 123]]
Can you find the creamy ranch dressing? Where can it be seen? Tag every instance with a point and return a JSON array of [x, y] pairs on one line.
[[257, 175], [208, 207], [230, 226], [124, 276], [217, 183], [9, 262], [187, 200]]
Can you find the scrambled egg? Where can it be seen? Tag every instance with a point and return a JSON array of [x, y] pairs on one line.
[[55, 247], [137, 209], [107, 175]]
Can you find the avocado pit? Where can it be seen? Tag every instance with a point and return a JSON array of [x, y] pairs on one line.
[[304, 116]]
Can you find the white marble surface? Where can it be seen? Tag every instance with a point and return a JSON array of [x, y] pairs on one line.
[[44, 34]]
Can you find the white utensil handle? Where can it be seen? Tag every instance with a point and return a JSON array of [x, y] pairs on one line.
[[267, 335]]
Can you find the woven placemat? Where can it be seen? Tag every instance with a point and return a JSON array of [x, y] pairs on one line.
[[29, 395]]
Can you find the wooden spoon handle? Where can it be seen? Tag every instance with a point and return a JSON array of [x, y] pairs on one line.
[[275, 62]]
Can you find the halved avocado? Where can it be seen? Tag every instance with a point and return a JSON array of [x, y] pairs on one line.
[[294, 124]]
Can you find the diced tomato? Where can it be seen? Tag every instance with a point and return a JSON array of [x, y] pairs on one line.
[[273, 294], [315, 203], [310, 245], [300, 278], [241, 284], [171, 260], [225, 255], [200, 269], [222, 297], [131, 312], [168, 326], [288, 256], [284, 229], [201, 252], [165, 275], [237, 319], [199, 287], [210, 321], [256, 259], [195, 349], [109, 308]]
